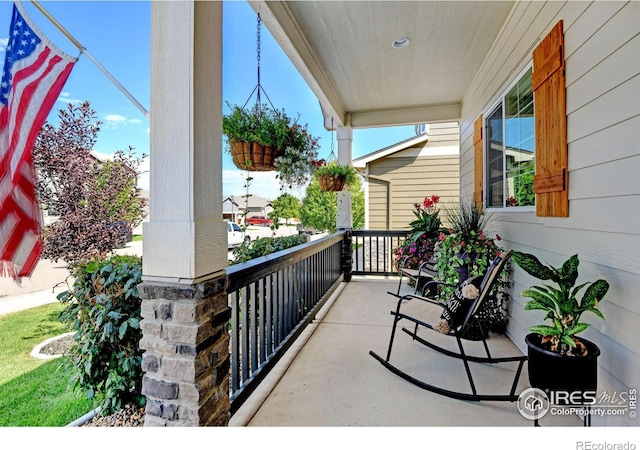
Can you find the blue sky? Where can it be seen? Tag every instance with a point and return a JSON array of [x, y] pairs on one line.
[[118, 35]]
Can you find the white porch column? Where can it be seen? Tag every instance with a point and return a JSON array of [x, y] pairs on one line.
[[343, 218], [186, 237], [184, 309]]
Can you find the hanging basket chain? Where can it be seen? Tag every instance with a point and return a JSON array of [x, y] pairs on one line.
[[258, 87], [332, 155]]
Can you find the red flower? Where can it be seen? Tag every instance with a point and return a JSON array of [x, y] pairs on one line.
[[498, 237]]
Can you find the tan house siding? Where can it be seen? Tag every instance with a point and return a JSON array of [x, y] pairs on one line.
[[603, 227], [430, 168], [412, 179]]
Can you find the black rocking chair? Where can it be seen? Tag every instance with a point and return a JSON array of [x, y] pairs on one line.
[[457, 327]]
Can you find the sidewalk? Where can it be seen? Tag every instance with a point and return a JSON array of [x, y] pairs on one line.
[[46, 282]]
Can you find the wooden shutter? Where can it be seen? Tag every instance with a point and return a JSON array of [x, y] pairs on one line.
[[548, 82], [478, 163]]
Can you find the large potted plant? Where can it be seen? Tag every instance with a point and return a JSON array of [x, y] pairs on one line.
[[466, 250], [558, 359], [258, 136]]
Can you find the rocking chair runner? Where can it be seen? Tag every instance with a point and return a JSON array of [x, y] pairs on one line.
[[457, 328]]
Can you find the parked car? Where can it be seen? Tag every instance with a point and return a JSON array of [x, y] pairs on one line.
[[235, 235], [259, 220]]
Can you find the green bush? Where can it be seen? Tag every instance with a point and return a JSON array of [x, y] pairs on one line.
[[264, 246], [103, 307]]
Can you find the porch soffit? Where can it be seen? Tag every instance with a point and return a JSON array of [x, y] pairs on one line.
[[343, 50]]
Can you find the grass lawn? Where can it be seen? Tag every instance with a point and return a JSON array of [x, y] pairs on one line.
[[35, 392]]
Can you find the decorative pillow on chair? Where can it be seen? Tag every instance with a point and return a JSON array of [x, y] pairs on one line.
[[459, 303]]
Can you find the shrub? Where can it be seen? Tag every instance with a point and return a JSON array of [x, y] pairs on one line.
[[103, 307], [265, 246]]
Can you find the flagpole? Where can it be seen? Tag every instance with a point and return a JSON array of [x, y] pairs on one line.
[[95, 61]]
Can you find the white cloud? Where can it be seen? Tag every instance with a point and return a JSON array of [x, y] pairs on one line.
[[112, 121], [3, 44], [116, 118], [264, 184], [65, 97]]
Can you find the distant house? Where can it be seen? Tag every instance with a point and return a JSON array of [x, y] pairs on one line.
[[234, 207], [231, 209], [398, 176]]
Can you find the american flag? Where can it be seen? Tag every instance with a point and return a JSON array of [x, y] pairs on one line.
[[34, 73]]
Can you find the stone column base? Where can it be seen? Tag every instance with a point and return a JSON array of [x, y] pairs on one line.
[[186, 360]]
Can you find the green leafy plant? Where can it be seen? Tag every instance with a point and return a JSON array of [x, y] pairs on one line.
[[560, 302], [103, 307], [420, 244], [427, 223], [333, 170], [264, 246]]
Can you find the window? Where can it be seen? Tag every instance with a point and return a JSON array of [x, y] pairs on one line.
[[510, 147]]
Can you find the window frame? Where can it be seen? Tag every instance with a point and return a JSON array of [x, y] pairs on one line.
[[486, 113]]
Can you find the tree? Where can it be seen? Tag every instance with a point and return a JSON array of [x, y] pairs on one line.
[[319, 208], [97, 201], [286, 206]]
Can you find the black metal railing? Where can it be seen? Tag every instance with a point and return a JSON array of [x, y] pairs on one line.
[[272, 299], [373, 251]]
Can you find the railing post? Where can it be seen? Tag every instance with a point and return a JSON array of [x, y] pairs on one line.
[[347, 255]]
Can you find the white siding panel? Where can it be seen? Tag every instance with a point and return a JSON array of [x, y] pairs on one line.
[[620, 104], [598, 181], [616, 142], [612, 251], [609, 73], [603, 36], [608, 215]]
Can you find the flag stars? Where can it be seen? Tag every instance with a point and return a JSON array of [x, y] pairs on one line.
[[23, 43]]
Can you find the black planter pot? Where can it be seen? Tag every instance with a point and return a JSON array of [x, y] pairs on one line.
[[554, 372]]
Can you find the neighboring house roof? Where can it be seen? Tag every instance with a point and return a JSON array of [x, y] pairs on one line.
[[361, 163], [255, 201], [231, 205]]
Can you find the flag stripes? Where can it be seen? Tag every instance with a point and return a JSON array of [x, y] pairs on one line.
[[34, 73]]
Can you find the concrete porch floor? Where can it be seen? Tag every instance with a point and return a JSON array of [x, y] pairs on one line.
[[328, 377]]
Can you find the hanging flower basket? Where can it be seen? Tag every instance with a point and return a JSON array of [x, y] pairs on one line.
[[253, 156], [331, 183], [334, 177], [258, 136]]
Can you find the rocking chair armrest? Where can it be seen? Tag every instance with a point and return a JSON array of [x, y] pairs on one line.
[[429, 299], [443, 306]]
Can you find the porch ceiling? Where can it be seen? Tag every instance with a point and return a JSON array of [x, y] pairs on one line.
[[343, 50]]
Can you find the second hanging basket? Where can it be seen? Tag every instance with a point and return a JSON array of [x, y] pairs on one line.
[[331, 183]]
